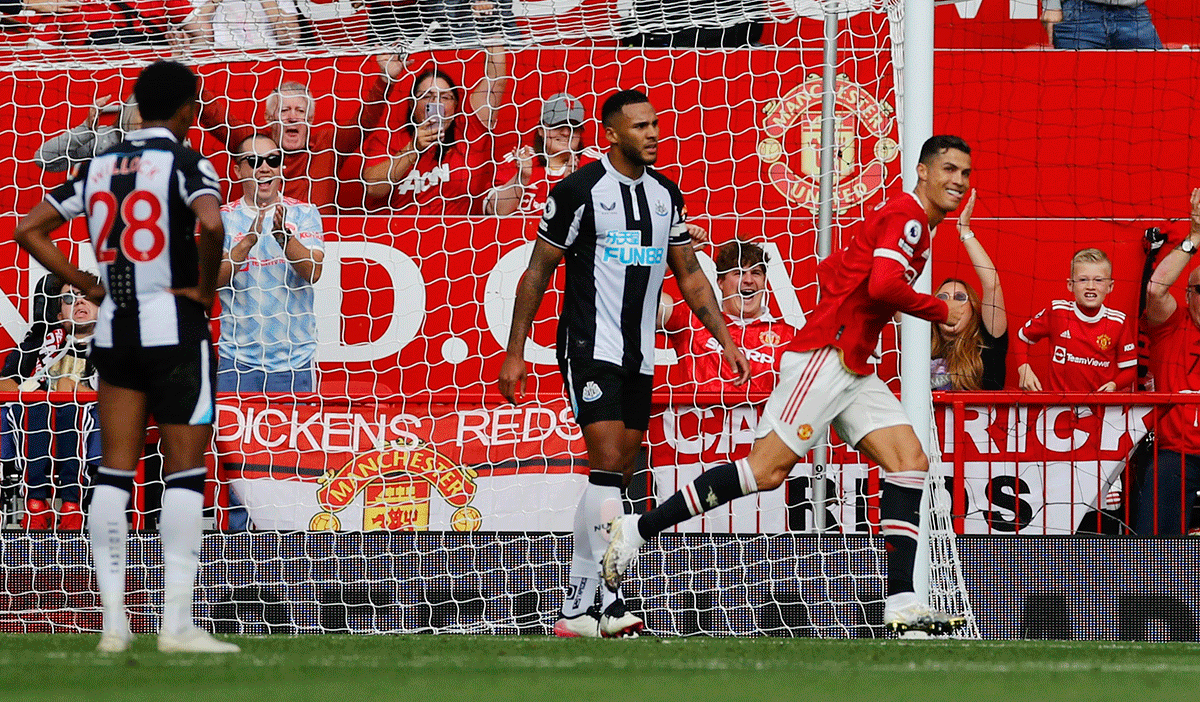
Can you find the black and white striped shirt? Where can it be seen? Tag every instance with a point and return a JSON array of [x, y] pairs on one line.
[[137, 198], [615, 231]]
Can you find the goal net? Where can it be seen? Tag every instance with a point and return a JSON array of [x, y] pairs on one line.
[[385, 486]]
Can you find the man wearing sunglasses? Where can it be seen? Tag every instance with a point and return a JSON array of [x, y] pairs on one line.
[[1167, 494], [274, 249], [313, 153], [54, 358]]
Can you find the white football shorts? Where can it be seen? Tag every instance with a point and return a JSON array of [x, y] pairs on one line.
[[816, 391]]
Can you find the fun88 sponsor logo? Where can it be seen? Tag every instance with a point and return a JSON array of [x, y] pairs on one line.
[[625, 247]]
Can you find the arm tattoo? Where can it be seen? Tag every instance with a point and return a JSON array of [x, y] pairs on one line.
[[690, 263]]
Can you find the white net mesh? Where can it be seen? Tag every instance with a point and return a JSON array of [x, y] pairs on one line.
[[947, 588], [379, 416]]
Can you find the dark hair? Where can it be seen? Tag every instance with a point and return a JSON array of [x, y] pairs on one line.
[[162, 88], [44, 308], [935, 145], [410, 124], [739, 254], [617, 102]]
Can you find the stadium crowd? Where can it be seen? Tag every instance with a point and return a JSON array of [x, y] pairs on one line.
[[423, 143]]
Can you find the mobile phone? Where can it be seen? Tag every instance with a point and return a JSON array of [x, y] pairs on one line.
[[435, 111]]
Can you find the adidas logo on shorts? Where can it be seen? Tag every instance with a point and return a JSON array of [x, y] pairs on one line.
[[591, 391]]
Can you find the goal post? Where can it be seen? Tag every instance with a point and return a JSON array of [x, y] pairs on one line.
[[402, 495]]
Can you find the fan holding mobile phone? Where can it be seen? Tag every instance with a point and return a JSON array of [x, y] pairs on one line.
[[437, 163], [435, 115]]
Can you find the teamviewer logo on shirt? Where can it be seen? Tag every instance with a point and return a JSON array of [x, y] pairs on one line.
[[1060, 354], [625, 248]]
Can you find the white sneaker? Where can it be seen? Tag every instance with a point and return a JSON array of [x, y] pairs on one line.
[[194, 640], [585, 625], [904, 613], [618, 623], [624, 541], [116, 641]]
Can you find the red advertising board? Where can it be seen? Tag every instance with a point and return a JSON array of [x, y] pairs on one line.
[[476, 464]]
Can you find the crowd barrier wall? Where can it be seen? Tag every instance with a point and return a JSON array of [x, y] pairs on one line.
[[1014, 463], [687, 584]]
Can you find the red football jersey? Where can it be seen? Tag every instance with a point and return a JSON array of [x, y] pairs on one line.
[[533, 197], [1087, 351], [1175, 363], [310, 175], [454, 186], [763, 340], [867, 281]]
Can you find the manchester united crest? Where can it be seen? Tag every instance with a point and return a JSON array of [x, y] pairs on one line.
[[397, 481], [1104, 341], [791, 146], [804, 432], [770, 338]]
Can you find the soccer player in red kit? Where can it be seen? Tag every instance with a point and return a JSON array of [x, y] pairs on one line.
[[742, 279], [1094, 350], [825, 379]]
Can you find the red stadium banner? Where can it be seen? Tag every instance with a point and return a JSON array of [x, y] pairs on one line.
[[1016, 24], [472, 464], [1019, 469], [738, 167], [367, 466], [1032, 469]]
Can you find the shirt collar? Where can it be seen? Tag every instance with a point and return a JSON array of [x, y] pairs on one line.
[[621, 177], [764, 318], [151, 133], [1083, 316], [245, 204]]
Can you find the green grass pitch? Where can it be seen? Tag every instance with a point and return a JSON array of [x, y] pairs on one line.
[[485, 668]]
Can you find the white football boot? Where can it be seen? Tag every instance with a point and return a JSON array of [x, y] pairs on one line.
[[618, 623], [584, 625], [623, 545], [115, 640], [905, 612], [194, 640]]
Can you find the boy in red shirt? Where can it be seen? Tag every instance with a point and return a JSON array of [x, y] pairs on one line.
[[1094, 350], [742, 279]]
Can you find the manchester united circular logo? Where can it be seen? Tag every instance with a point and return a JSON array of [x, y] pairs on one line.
[[804, 432], [466, 519], [1104, 341], [791, 146], [770, 338]]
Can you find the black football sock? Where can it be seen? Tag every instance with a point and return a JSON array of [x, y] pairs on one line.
[[900, 514], [713, 488]]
